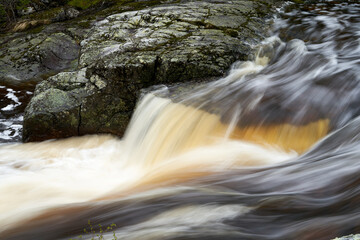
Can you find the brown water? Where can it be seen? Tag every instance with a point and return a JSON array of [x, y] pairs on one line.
[[269, 152]]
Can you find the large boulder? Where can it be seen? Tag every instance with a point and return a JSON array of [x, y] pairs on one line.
[[125, 52]]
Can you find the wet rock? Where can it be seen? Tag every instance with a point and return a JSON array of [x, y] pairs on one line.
[[36, 55], [58, 51], [126, 52]]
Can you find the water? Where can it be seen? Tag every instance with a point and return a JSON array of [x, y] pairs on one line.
[[269, 152], [14, 98]]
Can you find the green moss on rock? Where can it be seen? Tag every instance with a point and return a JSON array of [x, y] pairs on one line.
[[83, 4], [53, 113]]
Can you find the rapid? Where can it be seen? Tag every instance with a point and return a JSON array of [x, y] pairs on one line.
[[271, 151]]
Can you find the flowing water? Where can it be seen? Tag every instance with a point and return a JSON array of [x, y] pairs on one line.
[[272, 151], [13, 100]]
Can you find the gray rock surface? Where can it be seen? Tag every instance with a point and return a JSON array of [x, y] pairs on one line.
[[350, 237], [125, 52], [37, 55]]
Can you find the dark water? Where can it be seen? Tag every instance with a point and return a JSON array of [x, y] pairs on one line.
[[312, 78], [14, 99]]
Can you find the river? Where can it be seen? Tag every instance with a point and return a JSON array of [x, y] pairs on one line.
[[271, 151]]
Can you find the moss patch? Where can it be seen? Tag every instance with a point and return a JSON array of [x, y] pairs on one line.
[[83, 4], [46, 14]]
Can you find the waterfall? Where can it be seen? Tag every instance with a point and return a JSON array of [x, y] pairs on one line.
[[271, 151]]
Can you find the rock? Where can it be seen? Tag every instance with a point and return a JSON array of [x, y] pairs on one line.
[[70, 104], [66, 14], [350, 237], [55, 111], [27, 11], [132, 50], [53, 115], [58, 51], [36, 55]]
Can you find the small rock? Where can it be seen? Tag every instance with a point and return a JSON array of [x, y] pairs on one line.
[[27, 11]]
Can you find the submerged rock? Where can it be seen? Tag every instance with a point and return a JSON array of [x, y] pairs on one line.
[[126, 52]]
